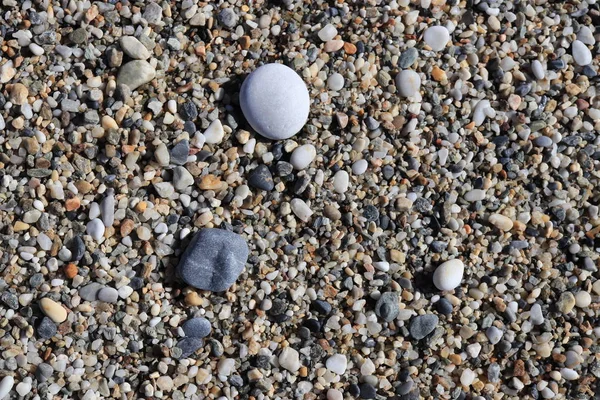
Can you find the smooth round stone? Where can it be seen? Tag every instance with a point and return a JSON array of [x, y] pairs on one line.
[[108, 295], [585, 35], [538, 69], [335, 82], [328, 32], [387, 306], [581, 53], [302, 156], [213, 260], [55, 311], [334, 394], [134, 48], [408, 83], [568, 374], [436, 37], [341, 180], [501, 222], [196, 327], [449, 275], [583, 299], [493, 334], [289, 359], [422, 325], [337, 363], [95, 228], [275, 101], [6, 385], [135, 74], [360, 167]]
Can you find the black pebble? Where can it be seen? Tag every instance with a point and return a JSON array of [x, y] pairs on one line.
[[444, 306], [188, 111], [312, 325], [261, 178], [367, 391], [371, 213], [321, 306]]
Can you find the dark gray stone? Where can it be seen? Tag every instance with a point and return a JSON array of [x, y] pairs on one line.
[[408, 58], [186, 347], [46, 329], [196, 327], [180, 152], [387, 306], [423, 325], [261, 178], [90, 291], [213, 260], [188, 111], [43, 372]]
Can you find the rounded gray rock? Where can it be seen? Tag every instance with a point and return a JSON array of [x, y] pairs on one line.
[[423, 325], [213, 260], [275, 101], [196, 327]]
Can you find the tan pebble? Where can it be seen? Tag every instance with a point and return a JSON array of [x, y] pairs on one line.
[[55, 311], [18, 94], [333, 45], [127, 227], [193, 299], [20, 226], [72, 204], [109, 123], [210, 182]]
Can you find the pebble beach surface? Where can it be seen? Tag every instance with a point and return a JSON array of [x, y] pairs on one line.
[[299, 200]]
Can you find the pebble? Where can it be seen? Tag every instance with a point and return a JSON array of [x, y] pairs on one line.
[[53, 310], [301, 209], [6, 385], [261, 178], [182, 179], [108, 295], [387, 307], [188, 346], [46, 329], [135, 74], [213, 260], [408, 83], [360, 167], [90, 292], [328, 32], [197, 327], [538, 69], [302, 156], [583, 299], [337, 363], [95, 228], [289, 359], [179, 152], [335, 81], [501, 222], [493, 334], [275, 101], [536, 316], [566, 302], [448, 275], [341, 180], [134, 48], [214, 133], [475, 195], [408, 58], [436, 37], [581, 53], [422, 325]]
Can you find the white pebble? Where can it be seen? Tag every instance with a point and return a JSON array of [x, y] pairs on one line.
[[449, 275], [214, 133], [95, 228], [501, 222], [302, 156], [408, 83], [360, 167], [301, 209], [538, 69], [328, 32], [337, 363], [6, 385], [436, 37], [581, 53], [340, 181]]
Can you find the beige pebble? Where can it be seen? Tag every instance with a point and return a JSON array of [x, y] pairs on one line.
[[55, 311], [501, 222]]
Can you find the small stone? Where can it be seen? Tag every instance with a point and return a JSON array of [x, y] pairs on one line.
[[18, 94], [213, 260], [537, 69], [367, 391], [493, 334], [301, 209], [387, 307], [566, 302], [46, 329], [261, 178], [289, 359], [188, 111], [134, 48], [179, 152], [7, 71], [444, 306], [90, 291], [6, 385], [501, 222], [581, 53], [341, 180], [423, 325], [449, 274], [275, 101], [214, 133], [55, 311], [78, 36], [436, 37], [583, 299], [182, 179], [187, 346], [164, 189], [337, 363], [43, 372], [197, 327], [408, 58], [335, 82], [227, 17], [108, 295], [408, 83], [302, 156], [328, 32], [474, 195], [226, 366], [153, 13], [136, 73], [360, 167], [107, 208], [535, 315], [95, 228], [569, 374]]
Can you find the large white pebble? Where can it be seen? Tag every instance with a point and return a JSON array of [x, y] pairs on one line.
[[6, 385], [408, 83], [214, 133], [448, 275], [301, 209], [275, 101], [95, 228], [501, 222], [436, 37], [581, 53], [337, 363], [538, 69], [303, 155], [340, 181]]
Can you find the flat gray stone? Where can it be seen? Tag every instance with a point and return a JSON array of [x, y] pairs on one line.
[[90, 292], [275, 101], [196, 327], [423, 325], [135, 74], [213, 260]]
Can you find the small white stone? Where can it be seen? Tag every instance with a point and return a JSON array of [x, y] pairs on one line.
[[367, 368], [337, 363], [538, 69], [275, 101], [328, 32], [475, 195], [467, 377], [335, 82], [226, 366], [494, 334], [341, 180], [36, 49], [568, 374], [95, 228], [581, 53], [382, 265], [134, 48], [360, 167], [6, 385], [583, 299], [23, 388], [482, 110], [214, 133], [585, 36], [408, 83], [334, 394], [448, 275], [436, 37], [302, 156], [289, 359], [501, 222], [301, 209]]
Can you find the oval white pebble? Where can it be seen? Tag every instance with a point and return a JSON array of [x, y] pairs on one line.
[[360, 167], [436, 37], [581, 53], [337, 363], [448, 275], [501, 222], [340, 181], [408, 83], [303, 155], [275, 101], [95, 228], [538, 69], [6, 385], [335, 81]]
